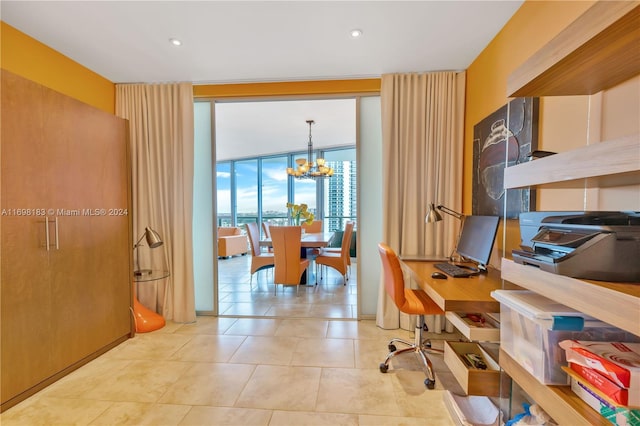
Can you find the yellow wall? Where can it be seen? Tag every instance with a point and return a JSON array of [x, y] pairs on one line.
[[27, 57], [565, 122], [532, 26]]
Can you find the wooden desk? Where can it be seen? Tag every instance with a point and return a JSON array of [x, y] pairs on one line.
[[471, 294]]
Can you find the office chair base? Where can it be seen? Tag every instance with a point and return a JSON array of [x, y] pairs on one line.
[[419, 347]]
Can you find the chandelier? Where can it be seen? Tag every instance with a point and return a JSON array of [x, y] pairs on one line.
[[307, 169]]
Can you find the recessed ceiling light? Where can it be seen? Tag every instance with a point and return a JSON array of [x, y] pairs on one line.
[[356, 33], [175, 41]]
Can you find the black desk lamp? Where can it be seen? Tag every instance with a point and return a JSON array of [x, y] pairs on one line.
[[434, 216], [153, 241]]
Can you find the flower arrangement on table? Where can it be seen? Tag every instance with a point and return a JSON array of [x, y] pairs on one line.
[[300, 214]]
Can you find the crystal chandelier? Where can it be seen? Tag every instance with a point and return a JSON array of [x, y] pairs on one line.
[[307, 169]]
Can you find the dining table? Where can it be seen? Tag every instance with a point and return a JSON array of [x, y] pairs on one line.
[[307, 241]]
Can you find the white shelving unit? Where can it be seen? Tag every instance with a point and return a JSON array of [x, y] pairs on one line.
[[564, 67]]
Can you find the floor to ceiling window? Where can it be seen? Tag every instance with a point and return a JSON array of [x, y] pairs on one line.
[[274, 190], [340, 193], [246, 192], [223, 194]]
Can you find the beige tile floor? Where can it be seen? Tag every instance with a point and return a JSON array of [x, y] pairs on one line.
[[245, 371], [329, 299]]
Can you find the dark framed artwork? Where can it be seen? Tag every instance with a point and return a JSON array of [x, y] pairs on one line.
[[503, 139]]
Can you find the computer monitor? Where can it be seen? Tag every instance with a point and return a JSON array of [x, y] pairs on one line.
[[477, 237]]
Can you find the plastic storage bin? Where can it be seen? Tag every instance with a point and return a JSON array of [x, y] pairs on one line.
[[531, 326]]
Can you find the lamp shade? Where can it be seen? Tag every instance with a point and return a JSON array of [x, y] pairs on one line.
[[432, 215], [153, 238]]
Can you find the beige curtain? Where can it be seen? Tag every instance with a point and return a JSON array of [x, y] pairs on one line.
[[422, 138], [161, 128]]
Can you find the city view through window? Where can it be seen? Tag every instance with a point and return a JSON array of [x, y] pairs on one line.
[[258, 190]]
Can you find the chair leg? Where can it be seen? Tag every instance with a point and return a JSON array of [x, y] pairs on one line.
[[419, 347]]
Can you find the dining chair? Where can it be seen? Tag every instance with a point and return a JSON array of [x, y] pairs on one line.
[[338, 250], [289, 265], [338, 260], [267, 233], [412, 302], [259, 259], [314, 227]]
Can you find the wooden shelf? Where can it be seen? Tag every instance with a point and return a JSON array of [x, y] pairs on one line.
[[597, 51], [617, 304], [559, 402], [612, 157]]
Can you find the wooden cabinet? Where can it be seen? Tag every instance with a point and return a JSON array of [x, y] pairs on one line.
[[66, 243]]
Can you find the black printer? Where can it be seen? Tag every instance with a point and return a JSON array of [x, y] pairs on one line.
[[595, 245]]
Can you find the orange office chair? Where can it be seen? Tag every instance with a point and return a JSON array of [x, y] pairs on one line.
[[259, 260], [289, 265], [314, 227], [412, 302], [341, 260]]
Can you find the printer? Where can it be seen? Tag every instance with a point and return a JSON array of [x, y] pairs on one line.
[[594, 245]]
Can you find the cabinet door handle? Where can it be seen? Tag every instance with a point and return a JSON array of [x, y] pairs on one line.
[[46, 231], [57, 240]]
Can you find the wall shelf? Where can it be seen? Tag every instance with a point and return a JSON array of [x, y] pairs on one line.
[[597, 51], [559, 402], [617, 304], [618, 156]]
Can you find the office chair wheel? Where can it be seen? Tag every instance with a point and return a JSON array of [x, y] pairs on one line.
[[392, 348], [430, 384], [384, 367]]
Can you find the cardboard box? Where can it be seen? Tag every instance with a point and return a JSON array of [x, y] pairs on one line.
[[618, 361], [616, 414], [616, 393]]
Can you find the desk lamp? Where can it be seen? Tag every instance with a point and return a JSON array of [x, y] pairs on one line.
[[434, 216], [153, 241]]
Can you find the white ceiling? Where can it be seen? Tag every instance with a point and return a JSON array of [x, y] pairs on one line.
[[249, 129], [243, 41], [253, 41]]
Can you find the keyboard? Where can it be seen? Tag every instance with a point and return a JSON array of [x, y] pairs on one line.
[[455, 271]]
